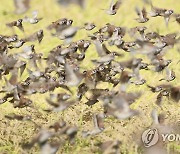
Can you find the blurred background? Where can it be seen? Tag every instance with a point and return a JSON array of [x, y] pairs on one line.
[[82, 11]]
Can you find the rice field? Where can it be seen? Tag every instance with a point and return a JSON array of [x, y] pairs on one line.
[[14, 133]]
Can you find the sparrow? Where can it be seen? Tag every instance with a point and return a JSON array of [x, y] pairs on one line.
[[161, 65], [170, 75], [119, 106], [82, 89], [125, 76], [109, 28], [90, 77], [21, 6], [114, 6], [17, 117], [59, 106], [139, 82], [169, 39], [100, 48], [160, 96], [161, 12], [27, 51], [155, 89], [67, 34], [21, 102], [3, 100], [72, 77], [72, 48], [41, 138], [138, 29], [17, 24], [7, 62], [155, 11], [96, 93], [10, 39], [80, 3], [34, 19], [58, 125], [151, 35], [177, 17], [107, 58], [175, 93], [17, 44], [142, 15], [60, 97], [111, 146], [89, 26], [167, 14], [60, 25], [35, 36], [83, 45], [35, 75], [21, 65], [98, 125]]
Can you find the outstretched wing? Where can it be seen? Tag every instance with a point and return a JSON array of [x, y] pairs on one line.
[[117, 5]]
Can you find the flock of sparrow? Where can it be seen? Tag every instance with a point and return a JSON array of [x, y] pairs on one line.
[[62, 68]]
